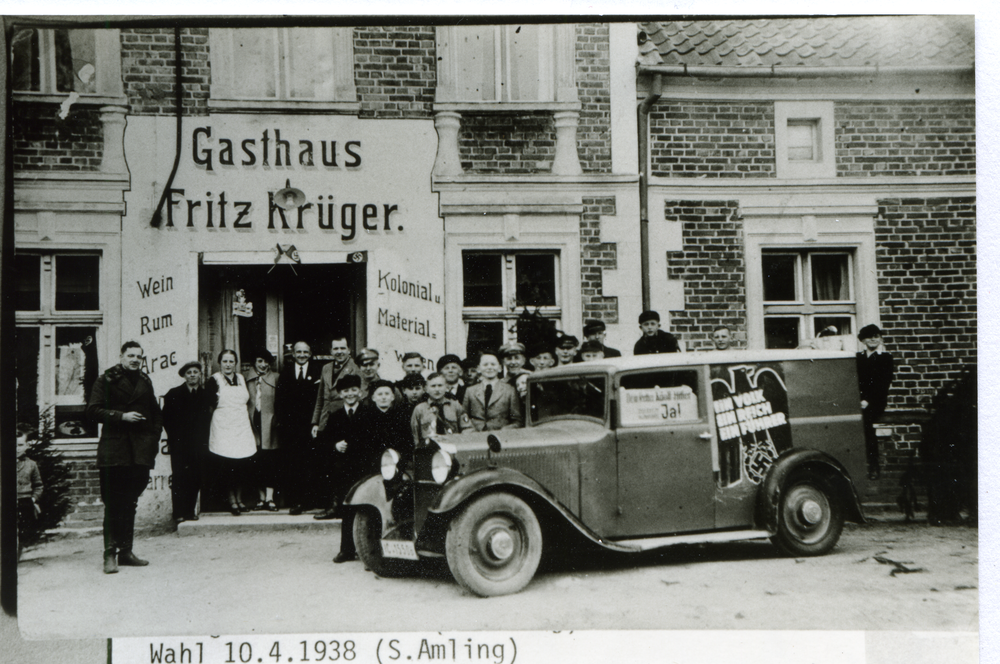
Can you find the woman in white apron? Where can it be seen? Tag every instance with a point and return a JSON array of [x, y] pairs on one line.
[[231, 440]]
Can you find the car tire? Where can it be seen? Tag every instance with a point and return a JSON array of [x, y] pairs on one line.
[[494, 546], [368, 542], [810, 517]]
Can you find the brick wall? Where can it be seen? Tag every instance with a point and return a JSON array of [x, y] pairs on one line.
[[593, 83], [85, 495], [926, 257], [394, 71], [44, 142], [713, 268], [595, 257], [905, 138], [148, 70], [715, 139], [507, 142]]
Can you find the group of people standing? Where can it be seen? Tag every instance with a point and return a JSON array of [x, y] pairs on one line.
[[306, 435]]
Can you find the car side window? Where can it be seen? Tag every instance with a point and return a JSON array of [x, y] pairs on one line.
[[658, 398]]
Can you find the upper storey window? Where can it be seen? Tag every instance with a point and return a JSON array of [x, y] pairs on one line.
[[65, 60], [296, 68], [510, 65]]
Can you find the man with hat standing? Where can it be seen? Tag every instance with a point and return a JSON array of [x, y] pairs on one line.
[[875, 371], [187, 418], [596, 330], [450, 366], [653, 339]]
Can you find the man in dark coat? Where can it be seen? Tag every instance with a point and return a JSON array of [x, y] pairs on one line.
[[294, 404], [122, 400], [875, 371], [653, 339], [332, 440], [187, 418]]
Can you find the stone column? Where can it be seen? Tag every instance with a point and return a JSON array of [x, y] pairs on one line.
[[113, 119], [567, 160], [447, 161]]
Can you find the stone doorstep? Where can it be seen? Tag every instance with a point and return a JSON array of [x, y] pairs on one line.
[[210, 523]]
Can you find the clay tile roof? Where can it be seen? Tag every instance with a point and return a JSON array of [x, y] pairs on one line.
[[913, 41]]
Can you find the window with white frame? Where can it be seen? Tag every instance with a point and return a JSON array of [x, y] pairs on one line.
[[804, 292], [59, 318], [282, 67], [506, 64], [498, 286], [59, 61], [804, 141]]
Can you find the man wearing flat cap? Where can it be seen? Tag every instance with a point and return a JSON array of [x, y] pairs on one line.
[[596, 330], [875, 371], [187, 418], [512, 357]]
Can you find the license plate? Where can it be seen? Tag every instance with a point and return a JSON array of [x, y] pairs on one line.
[[399, 549]]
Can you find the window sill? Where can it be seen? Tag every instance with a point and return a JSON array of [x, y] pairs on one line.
[[288, 105], [507, 106], [86, 99]]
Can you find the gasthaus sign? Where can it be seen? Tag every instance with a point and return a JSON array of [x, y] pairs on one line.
[[362, 208]]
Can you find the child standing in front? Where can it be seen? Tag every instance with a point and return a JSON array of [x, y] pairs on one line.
[[29, 491]]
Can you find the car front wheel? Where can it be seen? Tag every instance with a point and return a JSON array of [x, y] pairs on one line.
[[494, 546], [368, 542], [810, 518]]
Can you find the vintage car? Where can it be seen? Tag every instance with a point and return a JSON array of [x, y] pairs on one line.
[[631, 454]]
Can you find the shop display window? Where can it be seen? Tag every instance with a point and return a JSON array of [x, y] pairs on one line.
[[58, 61]]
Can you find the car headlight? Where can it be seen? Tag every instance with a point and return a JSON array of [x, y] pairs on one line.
[[440, 466], [390, 464]]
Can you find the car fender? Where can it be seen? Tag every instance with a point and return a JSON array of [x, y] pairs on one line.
[[457, 492], [371, 491], [769, 497]]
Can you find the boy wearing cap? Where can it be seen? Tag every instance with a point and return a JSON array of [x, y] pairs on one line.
[[187, 417], [566, 350], [875, 372], [512, 356], [339, 428], [590, 351], [653, 339], [596, 330], [450, 366], [541, 357], [327, 400]]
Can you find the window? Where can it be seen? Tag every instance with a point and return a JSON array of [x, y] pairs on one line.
[[803, 137], [506, 64], [65, 60], [581, 396], [655, 399], [497, 286], [283, 67], [57, 297], [804, 292]]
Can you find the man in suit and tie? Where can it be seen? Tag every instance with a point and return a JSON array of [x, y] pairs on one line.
[[492, 404], [337, 430], [328, 398], [294, 403]]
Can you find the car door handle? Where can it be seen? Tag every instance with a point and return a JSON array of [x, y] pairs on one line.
[[705, 436]]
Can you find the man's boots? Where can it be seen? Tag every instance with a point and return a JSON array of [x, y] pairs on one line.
[[110, 561]]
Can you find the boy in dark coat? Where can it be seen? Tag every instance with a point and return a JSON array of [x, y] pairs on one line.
[[653, 339], [875, 371]]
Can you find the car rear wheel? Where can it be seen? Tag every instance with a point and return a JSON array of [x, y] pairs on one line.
[[368, 542], [494, 546], [810, 518]]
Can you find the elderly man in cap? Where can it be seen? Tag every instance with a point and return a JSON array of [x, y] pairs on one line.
[[187, 418], [875, 372], [512, 357], [653, 339], [450, 366], [596, 330]]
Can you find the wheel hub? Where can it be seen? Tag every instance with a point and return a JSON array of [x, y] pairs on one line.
[[811, 512], [501, 544]]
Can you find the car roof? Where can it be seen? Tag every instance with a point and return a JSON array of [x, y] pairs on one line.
[[662, 360]]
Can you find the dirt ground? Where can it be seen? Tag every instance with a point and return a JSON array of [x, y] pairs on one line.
[[882, 576]]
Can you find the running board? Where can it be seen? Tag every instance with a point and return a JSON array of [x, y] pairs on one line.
[[695, 538]]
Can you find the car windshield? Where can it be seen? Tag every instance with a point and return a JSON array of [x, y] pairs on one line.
[[579, 396]]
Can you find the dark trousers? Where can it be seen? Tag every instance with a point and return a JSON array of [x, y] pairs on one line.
[[121, 487], [869, 416], [186, 481], [347, 533]]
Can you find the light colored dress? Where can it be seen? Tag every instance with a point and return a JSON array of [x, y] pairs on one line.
[[231, 435]]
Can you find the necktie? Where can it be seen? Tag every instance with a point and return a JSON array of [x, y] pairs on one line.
[[487, 397], [440, 428], [302, 372], [350, 413]]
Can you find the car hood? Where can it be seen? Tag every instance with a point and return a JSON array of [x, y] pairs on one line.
[[558, 433]]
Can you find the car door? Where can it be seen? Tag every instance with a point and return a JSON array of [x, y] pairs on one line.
[[665, 447]]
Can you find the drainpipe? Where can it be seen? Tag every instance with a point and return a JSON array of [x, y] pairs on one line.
[[643, 112], [179, 109]]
